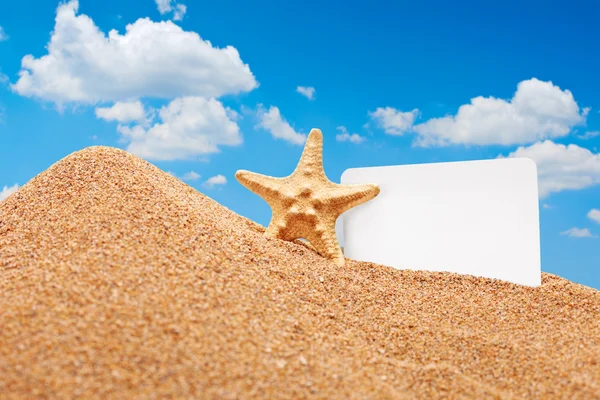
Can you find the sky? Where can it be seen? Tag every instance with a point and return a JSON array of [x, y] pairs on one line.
[[203, 89]]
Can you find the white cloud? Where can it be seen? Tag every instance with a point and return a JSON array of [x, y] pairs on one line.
[[123, 112], [589, 135], [308, 92], [7, 191], [345, 136], [547, 206], [189, 126], [561, 167], [272, 121], [594, 215], [152, 59], [188, 176], [166, 6], [578, 233], [3, 35], [191, 176], [232, 114], [538, 110], [216, 180], [394, 122]]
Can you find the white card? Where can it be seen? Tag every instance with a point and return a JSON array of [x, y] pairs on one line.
[[475, 217]]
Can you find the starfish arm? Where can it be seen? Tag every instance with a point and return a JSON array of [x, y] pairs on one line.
[[345, 197], [324, 240], [311, 161], [267, 187]]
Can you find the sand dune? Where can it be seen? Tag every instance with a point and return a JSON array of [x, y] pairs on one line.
[[117, 280]]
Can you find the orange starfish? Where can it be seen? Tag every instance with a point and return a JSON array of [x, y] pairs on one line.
[[306, 204]]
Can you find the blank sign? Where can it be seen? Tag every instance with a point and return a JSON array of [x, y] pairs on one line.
[[475, 217]]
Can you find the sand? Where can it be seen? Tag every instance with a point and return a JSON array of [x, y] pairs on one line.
[[117, 280]]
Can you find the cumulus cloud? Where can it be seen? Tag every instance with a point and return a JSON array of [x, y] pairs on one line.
[[345, 136], [394, 122], [151, 59], [216, 180], [123, 112], [272, 121], [538, 110], [561, 167], [594, 215], [189, 126], [3, 35], [7, 191], [578, 233], [306, 91], [167, 6]]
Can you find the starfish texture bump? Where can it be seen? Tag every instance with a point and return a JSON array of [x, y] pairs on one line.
[[306, 203]]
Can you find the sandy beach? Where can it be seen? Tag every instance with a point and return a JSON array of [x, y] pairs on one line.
[[117, 280]]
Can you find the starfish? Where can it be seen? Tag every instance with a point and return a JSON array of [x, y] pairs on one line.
[[306, 203]]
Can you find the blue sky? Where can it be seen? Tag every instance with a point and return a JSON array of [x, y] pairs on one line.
[[202, 89]]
